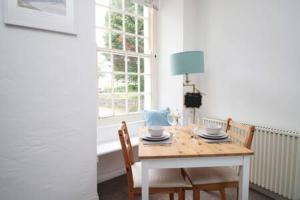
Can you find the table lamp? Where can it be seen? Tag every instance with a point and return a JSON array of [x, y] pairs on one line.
[[188, 62]]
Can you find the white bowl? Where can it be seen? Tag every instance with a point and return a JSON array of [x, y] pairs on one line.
[[156, 131], [213, 130]]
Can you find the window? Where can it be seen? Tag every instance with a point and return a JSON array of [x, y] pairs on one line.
[[124, 51]]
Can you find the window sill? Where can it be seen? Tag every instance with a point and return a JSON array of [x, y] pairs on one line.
[[113, 146], [107, 134], [130, 118]]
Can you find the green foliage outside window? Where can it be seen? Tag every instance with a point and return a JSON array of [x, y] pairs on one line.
[[135, 65], [140, 26], [116, 21], [129, 24], [129, 7], [117, 4]]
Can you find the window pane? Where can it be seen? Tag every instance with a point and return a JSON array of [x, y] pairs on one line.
[[105, 83], [133, 103], [117, 4], [129, 24], [120, 104], [117, 41], [133, 83], [104, 62], [124, 79], [130, 43], [129, 7], [119, 63], [145, 83], [143, 11], [102, 16], [102, 38], [142, 65], [143, 45], [132, 64], [145, 66], [142, 83], [116, 21], [142, 100], [140, 10], [119, 83], [105, 106], [141, 27]]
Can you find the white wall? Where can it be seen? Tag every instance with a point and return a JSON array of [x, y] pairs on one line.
[[48, 112], [252, 60], [170, 40]]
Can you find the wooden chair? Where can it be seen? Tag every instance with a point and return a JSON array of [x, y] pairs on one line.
[[167, 181], [219, 178]]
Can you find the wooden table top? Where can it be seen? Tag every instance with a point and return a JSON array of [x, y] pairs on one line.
[[183, 145]]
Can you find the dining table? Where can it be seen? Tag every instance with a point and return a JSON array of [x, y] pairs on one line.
[[187, 150]]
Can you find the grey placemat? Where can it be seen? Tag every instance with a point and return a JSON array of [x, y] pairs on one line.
[[168, 141], [216, 141], [212, 140]]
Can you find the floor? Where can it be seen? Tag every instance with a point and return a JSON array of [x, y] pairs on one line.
[[116, 189]]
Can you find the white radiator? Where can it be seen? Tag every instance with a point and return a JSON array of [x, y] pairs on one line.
[[275, 165]]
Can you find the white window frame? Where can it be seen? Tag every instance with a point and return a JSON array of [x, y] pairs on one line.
[[132, 117]]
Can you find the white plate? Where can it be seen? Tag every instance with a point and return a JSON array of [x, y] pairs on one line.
[[166, 135], [204, 132], [221, 134], [151, 136], [213, 137]]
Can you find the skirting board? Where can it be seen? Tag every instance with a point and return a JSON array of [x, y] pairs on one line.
[[266, 192], [111, 175]]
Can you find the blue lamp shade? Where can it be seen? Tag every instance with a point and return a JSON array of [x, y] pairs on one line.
[[187, 62]]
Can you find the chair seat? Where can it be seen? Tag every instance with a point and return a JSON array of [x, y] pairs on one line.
[[159, 178], [211, 175]]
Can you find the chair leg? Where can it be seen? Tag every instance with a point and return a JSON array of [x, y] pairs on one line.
[[223, 195], [237, 193], [131, 195], [171, 196], [181, 194], [196, 194]]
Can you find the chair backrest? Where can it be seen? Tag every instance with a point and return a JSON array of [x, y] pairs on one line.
[[240, 133], [127, 152]]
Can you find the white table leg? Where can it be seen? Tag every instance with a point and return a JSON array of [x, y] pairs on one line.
[[145, 181], [244, 179]]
